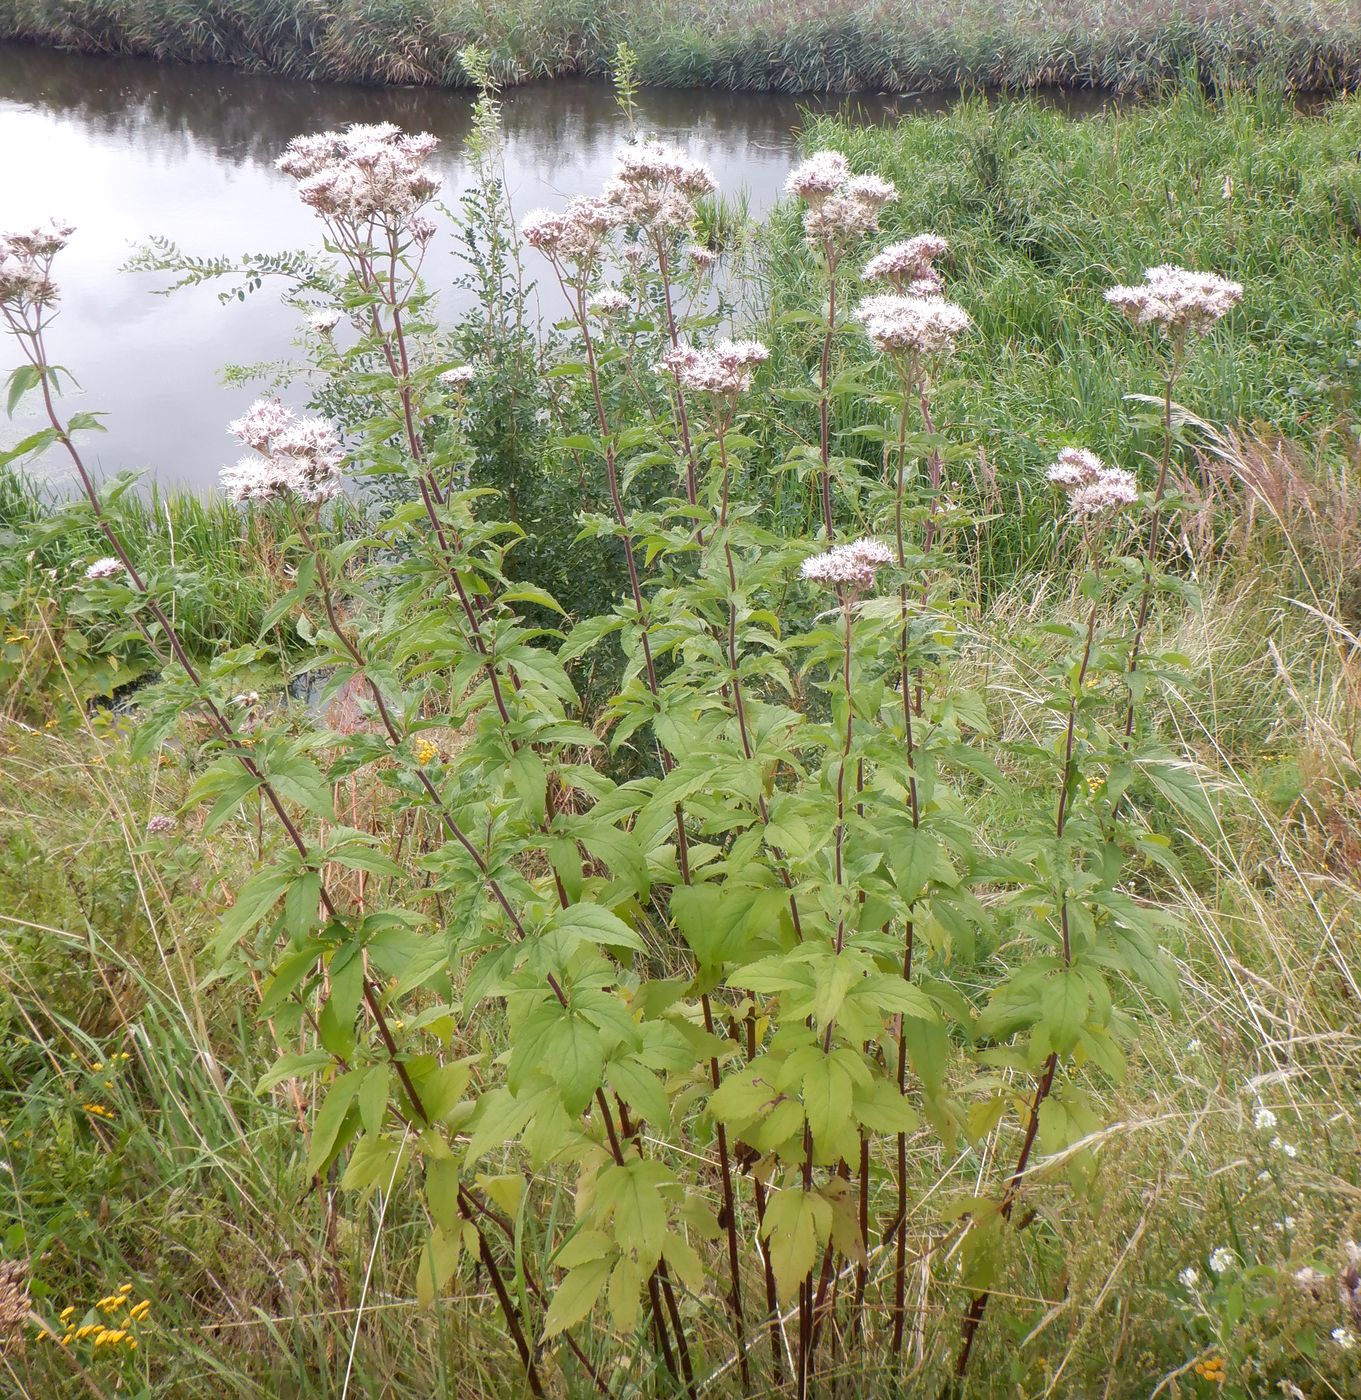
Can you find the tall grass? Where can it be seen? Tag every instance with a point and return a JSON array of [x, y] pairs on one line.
[[1043, 212], [819, 45]]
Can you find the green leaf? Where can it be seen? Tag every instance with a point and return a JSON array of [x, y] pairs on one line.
[[827, 1094], [591, 923], [575, 1296], [326, 1127], [24, 378], [796, 1223], [438, 1261]]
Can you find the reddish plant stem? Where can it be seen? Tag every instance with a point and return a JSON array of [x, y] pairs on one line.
[[824, 379], [978, 1307], [37, 356]]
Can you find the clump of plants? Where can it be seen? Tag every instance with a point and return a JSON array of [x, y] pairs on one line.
[[704, 1018]]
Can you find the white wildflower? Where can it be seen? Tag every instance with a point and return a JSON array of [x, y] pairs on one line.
[[1222, 1260], [324, 322], [1113, 489], [364, 173], [1264, 1118], [1345, 1338], [847, 568], [297, 456], [912, 324], [1075, 467], [1177, 299], [726, 369], [458, 377], [823, 173], [1283, 1147], [908, 261], [1189, 1278], [608, 301], [108, 567]]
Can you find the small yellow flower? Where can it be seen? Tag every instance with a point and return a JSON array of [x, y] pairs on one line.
[[97, 1110], [138, 1312], [66, 1312], [426, 752], [125, 1288]]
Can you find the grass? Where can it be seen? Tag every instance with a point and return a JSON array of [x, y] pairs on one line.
[[264, 1284], [816, 45]]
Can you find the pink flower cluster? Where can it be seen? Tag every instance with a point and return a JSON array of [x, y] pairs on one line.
[[725, 370], [841, 206], [1177, 299], [654, 189], [915, 325], [108, 567], [848, 568], [608, 301], [1093, 489], [26, 261], [577, 234], [298, 457], [909, 266], [364, 173]]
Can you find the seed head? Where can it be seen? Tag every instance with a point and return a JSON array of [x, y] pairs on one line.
[[14, 1302]]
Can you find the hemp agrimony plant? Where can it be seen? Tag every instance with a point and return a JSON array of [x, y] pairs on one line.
[[666, 1009]]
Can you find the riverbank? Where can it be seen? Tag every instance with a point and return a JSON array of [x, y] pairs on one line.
[[894, 46]]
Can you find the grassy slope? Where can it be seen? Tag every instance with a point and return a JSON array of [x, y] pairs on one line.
[[836, 45], [193, 1190]]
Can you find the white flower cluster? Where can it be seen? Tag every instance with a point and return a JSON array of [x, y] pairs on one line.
[[848, 568], [108, 567], [1176, 299], [917, 325], [324, 322], [1263, 1119], [25, 263], [909, 266], [654, 190], [702, 259], [608, 301], [1222, 1260], [1093, 488], [575, 235], [840, 205], [458, 377], [655, 185], [726, 369], [297, 456], [363, 173]]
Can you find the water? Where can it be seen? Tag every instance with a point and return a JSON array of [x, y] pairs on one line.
[[124, 149]]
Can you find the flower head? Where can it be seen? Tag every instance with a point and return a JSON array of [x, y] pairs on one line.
[[1075, 467], [108, 567], [324, 322], [1176, 299], [909, 262], [575, 235], [1188, 1278], [14, 1299], [26, 262], [849, 569], [654, 165], [297, 457], [1113, 489], [917, 325], [1222, 1260], [1344, 1338], [159, 824], [702, 259], [458, 377], [363, 173], [1264, 1118], [608, 301], [725, 370], [841, 206], [823, 173]]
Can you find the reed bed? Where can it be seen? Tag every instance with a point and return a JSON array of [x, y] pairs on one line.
[[812, 46]]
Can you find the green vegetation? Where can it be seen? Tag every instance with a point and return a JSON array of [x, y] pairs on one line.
[[819, 45], [199, 1094]]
